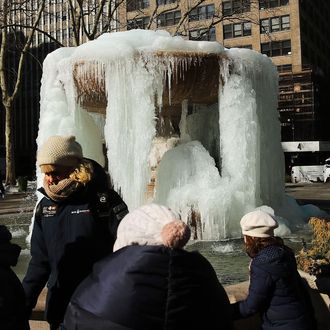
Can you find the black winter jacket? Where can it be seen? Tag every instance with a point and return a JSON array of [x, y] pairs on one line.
[[13, 314], [150, 288], [67, 238], [277, 292]]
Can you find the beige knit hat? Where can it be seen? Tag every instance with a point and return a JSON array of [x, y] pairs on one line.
[[60, 150], [152, 224], [258, 224]]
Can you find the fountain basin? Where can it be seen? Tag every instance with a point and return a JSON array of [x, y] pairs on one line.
[[194, 77]]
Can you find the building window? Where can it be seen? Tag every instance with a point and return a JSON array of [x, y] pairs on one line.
[[241, 46], [276, 48], [165, 2], [264, 26], [237, 30], [284, 68], [203, 34], [170, 18], [264, 4], [137, 23], [275, 24], [133, 5], [285, 22], [235, 7], [201, 13]]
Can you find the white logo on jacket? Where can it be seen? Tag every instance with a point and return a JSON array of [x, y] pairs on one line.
[[80, 211]]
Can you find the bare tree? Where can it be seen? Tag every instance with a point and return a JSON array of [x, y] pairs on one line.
[[102, 12], [191, 14], [9, 89]]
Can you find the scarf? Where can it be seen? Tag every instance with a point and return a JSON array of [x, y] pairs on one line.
[[62, 190]]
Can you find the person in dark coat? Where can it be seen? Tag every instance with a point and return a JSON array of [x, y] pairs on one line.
[[150, 282], [13, 314], [75, 224], [276, 289]]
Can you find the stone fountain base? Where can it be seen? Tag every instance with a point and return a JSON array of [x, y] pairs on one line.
[[235, 292]]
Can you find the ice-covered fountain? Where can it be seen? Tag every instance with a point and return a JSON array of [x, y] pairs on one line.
[[188, 124]]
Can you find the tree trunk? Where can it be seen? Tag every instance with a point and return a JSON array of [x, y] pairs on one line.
[[10, 161]]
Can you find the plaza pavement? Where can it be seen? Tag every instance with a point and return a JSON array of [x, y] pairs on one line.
[[308, 193], [17, 202]]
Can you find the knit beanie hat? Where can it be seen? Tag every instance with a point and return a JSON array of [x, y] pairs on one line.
[[152, 224], [258, 224], [60, 150]]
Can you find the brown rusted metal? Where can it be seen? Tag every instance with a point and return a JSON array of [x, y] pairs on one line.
[[195, 78], [89, 81], [198, 82]]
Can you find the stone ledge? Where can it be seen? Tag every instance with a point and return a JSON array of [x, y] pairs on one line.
[[235, 292]]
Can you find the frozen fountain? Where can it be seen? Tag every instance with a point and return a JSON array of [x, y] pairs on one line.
[[187, 124]]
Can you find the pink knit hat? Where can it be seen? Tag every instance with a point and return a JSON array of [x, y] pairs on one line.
[[60, 150], [152, 224], [258, 224]]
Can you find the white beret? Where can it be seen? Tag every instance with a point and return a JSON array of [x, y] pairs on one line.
[[258, 224]]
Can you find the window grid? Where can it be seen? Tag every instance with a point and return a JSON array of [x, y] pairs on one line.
[[133, 5], [264, 4], [274, 24], [284, 68], [137, 23], [170, 18], [276, 48], [237, 30], [235, 7], [165, 2], [201, 13], [242, 46], [203, 34]]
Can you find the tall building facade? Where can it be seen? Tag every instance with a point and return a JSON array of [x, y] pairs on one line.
[[294, 33]]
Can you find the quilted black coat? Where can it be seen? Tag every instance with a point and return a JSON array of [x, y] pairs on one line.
[[150, 288], [277, 292]]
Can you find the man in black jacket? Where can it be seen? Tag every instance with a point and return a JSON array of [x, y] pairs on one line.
[[75, 224]]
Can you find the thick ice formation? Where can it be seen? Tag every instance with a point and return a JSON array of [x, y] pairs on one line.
[[241, 132]]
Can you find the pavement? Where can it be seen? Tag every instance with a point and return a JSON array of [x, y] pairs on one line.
[[317, 193], [17, 202], [305, 193]]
